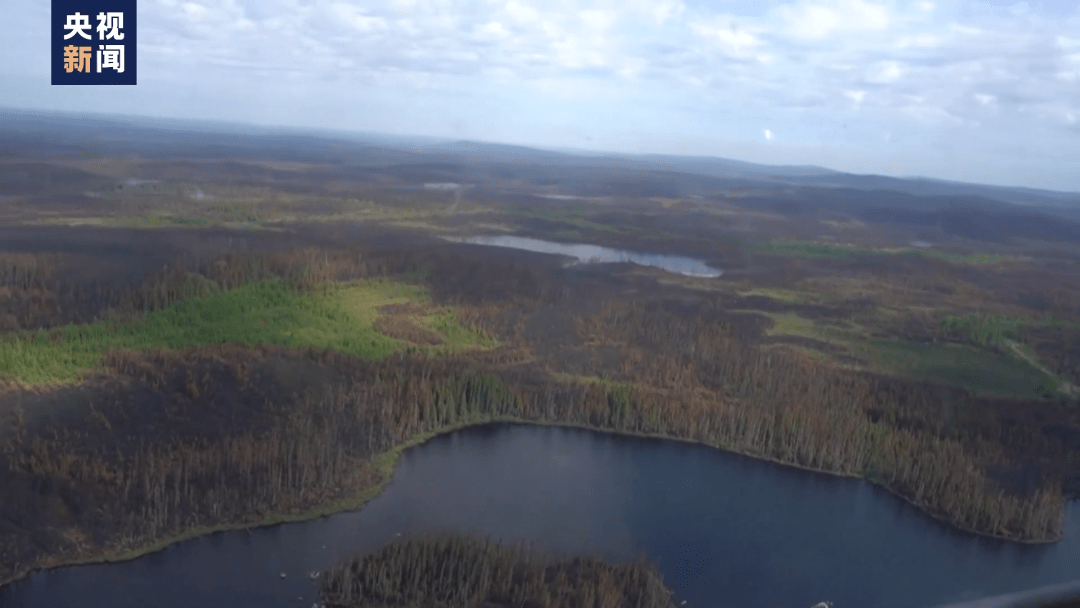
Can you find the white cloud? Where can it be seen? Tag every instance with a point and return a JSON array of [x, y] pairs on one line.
[[694, 81], [631, 68], [521, 14], [195, 11], [1020, 8], [825, 18], [911, 68], [965, 30], [768, 134], [727, 38], [492, 31], [664, 10], [918, 41], [500, 74], [736, 40], [597, 20], [886, 72], [856, 96], [356, 18]]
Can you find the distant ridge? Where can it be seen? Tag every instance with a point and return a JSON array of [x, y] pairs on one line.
[[23, 130]]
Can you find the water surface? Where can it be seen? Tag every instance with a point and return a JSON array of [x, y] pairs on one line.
[[595, 254], [726, 529]]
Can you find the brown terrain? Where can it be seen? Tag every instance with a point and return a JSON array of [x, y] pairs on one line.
[[944, 373]]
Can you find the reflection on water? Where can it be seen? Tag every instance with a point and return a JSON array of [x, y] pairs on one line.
[[594, 254]]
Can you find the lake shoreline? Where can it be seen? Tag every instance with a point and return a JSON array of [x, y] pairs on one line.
[[386, 464], [585, 253]]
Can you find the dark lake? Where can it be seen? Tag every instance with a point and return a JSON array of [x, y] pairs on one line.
[[595, 254], [727, 530]]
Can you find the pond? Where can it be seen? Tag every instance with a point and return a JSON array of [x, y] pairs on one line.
[[595, 254], [726, 530]]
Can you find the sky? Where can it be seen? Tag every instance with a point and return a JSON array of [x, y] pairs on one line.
[[972, 90]]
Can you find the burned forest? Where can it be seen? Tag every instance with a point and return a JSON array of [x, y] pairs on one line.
[[193, 343]]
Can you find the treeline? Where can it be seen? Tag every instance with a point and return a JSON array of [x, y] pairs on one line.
[[1058, 346], [981, 329], [82, 488], [107, 484], [36, 291], [26, 270], [928, 444], [462, 571]]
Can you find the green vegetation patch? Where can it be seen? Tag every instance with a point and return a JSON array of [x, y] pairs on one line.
[[445, 323], [965, 258], [976, 369], [1055, 323], [130, 221], [574, 220], [806, 250], [1000, 332], [340, 317], [826, 250], [159, 221], [233, 212], [792, 324], [991, 330], [983, 330], [776, 293]]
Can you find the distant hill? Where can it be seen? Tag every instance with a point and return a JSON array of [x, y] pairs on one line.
[[25, 133], [802, 175]]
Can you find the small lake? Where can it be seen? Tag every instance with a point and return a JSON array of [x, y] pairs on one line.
[[727, 530], [594, 254]]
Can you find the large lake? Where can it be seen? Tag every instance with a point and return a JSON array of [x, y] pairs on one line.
[[594, 254], [726, 529]]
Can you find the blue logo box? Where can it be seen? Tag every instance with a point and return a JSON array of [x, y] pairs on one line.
[[93, 42]]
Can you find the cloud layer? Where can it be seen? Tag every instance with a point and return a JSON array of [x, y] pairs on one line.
[[957, 89]]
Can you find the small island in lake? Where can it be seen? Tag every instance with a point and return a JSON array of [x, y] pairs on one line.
[[200, 342], [455, 570]]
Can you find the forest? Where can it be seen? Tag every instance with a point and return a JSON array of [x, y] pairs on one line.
[[178, 441], [455, 570], [161, 379]]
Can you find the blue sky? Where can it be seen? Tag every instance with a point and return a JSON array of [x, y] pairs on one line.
[[973, 90]]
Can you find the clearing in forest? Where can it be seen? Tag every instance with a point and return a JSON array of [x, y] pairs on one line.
[[340, 317]]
